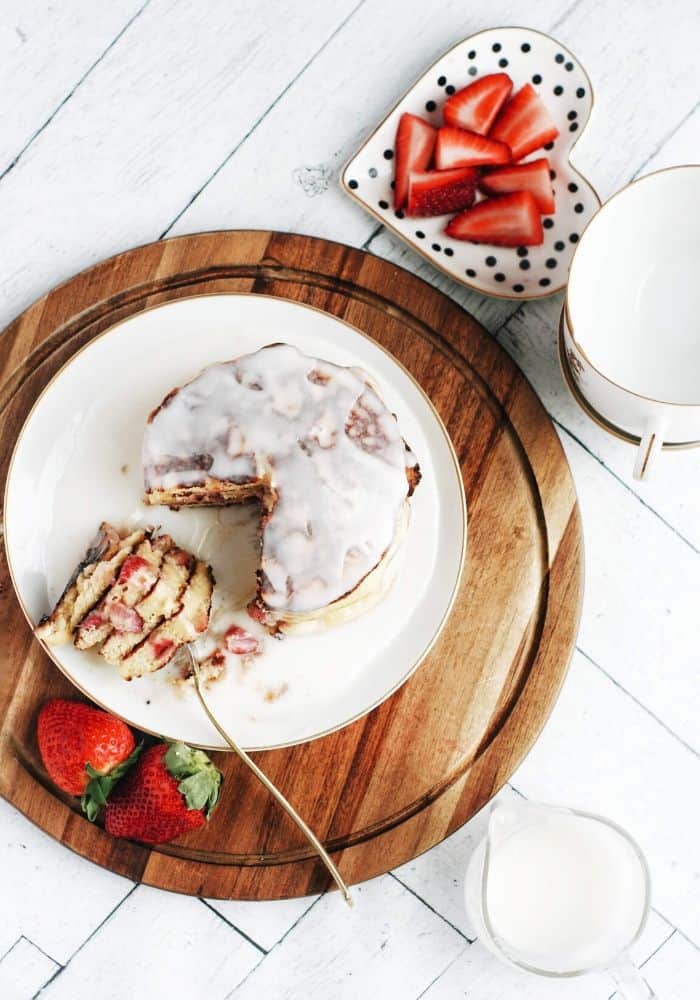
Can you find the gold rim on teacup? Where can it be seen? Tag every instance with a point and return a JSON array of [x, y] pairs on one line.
[[593, 414], [624, 331]]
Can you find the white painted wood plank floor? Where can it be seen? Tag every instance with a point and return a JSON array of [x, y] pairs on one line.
[[126, 121]]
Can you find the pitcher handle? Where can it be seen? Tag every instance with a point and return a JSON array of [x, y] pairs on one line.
[[650, 445], [629, 981]]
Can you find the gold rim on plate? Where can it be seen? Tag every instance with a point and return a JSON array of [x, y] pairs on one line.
[[458, 473]]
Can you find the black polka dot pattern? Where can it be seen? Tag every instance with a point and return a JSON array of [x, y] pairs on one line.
[[518, 272]]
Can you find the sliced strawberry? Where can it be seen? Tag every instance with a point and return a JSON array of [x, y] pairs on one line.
[[437, 192], [123, 617], [162, 647], [532, 177], [510, 221], [415, 140], [92, 621], [525, 124], [141, 571], [475, 107], [239, 641], [455, 147]]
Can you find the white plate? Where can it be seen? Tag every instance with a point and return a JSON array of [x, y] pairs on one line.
[[527, 56], [77, 462]]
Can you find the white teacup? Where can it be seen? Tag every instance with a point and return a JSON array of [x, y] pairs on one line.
[[631, 320]]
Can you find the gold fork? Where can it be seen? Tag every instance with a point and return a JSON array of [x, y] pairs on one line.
[[262, 777]]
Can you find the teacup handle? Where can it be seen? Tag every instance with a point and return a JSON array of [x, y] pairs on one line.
[[649, 447]]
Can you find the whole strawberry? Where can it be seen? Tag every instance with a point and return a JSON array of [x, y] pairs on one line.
[[171, 790], [85, 750]]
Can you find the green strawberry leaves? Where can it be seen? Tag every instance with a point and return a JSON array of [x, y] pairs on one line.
[[100, 785], [200, 780]]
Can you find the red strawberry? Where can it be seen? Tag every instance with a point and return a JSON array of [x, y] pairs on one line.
[[123, 618], [475, 107], [85, 750], [415, 140], [239, 641], [437, 192], [455, 147], [140, 572], [532, 177], [173, 789], [510, 221], [525, 124]]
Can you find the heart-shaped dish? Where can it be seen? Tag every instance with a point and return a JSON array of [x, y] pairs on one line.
[[563, 84]]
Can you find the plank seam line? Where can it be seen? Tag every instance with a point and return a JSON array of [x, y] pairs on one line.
[[23, 937], [641, 704], [89, 938], [678, 930], [230, 924], [275, 945], [12, 947], [626, 486], [431, 908], [441, 974], [70, 93], [667, 138], [262, 117], [375, 232], [562, 17]]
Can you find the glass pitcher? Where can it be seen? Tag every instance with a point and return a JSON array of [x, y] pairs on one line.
[[560, 893]]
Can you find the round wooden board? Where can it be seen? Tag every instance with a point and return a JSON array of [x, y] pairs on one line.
[[393, 784]]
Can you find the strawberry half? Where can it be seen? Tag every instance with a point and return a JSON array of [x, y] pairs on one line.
[[455, 147], [238, 640], [437, 192], [475, 107], [85, 750], [532, 177], [510, 221], [173, 789], [415, 140], [525, 124]]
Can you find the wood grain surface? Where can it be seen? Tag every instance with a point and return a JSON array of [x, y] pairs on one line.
[[393, 784]]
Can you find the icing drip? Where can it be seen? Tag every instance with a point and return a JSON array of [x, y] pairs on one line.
[[326, 450]]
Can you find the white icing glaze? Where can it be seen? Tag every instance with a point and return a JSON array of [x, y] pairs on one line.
[[318, 435]]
